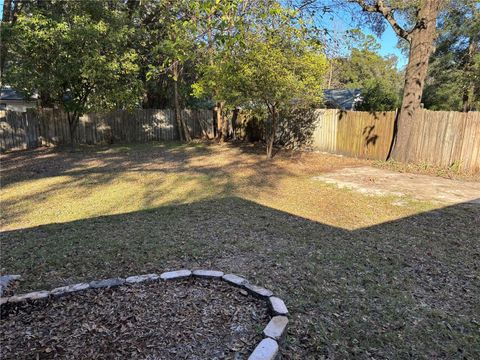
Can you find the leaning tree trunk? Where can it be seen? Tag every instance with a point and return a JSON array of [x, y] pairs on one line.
[[421, 47]]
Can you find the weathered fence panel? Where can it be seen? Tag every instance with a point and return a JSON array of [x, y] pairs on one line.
[[366, 135], [47, 127], [325, 133], [470, 150], [439, 137], [18, 130], [442, 138], [446, 138]]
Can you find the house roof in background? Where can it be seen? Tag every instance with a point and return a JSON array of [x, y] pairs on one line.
[[7, 93], [342, 98]]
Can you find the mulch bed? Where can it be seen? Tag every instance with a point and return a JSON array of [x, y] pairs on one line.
[[194, 319]]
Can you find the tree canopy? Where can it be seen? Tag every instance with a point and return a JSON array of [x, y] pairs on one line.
[[453, 81], [378, 77], [266, 55], [75, 55]]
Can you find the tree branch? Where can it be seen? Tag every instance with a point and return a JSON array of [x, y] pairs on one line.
[[380, 8]]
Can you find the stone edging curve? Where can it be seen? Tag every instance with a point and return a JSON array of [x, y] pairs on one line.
[[273, 333]]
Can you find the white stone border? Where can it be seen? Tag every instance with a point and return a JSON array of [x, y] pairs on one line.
[[5, 280], [274, 333]]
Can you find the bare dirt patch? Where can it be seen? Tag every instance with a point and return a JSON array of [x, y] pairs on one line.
[[372, 181], [194, 319]]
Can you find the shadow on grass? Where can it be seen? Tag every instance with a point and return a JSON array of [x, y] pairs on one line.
[[172, 165], [109, 160], [401, 289]]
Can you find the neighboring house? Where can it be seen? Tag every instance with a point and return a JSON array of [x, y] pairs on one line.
[[14, 101], [344, 99]]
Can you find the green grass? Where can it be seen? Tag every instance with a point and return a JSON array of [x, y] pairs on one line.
[[363, 278]]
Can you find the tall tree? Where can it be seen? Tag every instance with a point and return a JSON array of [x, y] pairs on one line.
[[77, 52], [421, 34], [278, 67], [453, 81], [377, 77], [174, 48], [222, 26]]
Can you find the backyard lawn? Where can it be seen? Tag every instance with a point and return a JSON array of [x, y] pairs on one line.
[[363, 276]]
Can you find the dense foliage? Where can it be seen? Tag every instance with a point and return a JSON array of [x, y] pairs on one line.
[[378, 78], [264, 55], [76, 55], [454, 75]]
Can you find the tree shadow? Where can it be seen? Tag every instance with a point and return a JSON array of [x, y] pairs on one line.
[[346, 290], [368, 136], [163, 169], [161, 157], [296, 128]]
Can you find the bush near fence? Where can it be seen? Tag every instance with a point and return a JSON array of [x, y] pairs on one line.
[[439, 137]]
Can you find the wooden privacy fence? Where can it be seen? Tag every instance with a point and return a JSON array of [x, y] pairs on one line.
[[443, 138], [50, 127], [365, 135], [325, 134], [446, 138], [439, 137], [360, 134]]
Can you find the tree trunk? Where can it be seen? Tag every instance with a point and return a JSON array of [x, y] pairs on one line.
[[465, 100], [7, 8], [234, 121], [214, 122], [271, 132], [182, 127], [330, 74], [421, 46], [178, 111], [225, 127], [72, 126], [221, 128]]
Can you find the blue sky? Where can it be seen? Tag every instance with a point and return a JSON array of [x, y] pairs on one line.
[[341, 19], [388, 40], [388, 43]]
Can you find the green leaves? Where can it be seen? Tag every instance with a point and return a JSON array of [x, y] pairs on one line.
[[454, 73], [279, 68], [267, 60], [80, 49], [378, 77]]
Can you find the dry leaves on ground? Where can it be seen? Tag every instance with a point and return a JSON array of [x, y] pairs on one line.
[[188, 319]]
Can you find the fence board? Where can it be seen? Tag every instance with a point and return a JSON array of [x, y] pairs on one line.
[[50, 127], [470, 150], [365, 135], [446, 139], [438, 137], [324, 135]]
